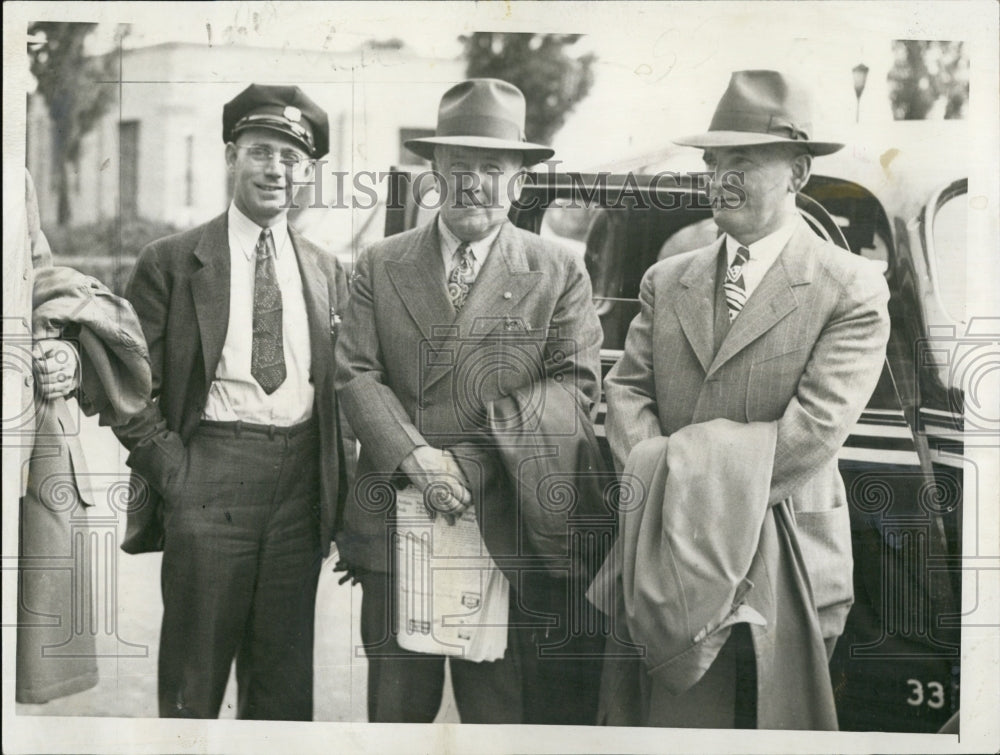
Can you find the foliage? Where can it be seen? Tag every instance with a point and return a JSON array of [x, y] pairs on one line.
[[926, 75], [108, 249], [76, 89], [553, 82]]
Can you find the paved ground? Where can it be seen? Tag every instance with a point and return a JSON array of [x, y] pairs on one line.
[[129, 611]]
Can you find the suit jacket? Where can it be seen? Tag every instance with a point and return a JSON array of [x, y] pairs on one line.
[[411, 372], [180, 290], [806, 352]]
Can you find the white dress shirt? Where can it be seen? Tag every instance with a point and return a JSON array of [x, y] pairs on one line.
[[450, 244], [234, 393], [763, 253]]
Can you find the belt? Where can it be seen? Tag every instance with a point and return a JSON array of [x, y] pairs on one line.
[[271, 431]]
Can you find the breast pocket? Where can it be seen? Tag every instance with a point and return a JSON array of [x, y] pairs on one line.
[[772, 384]]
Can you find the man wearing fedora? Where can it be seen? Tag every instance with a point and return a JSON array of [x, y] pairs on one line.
[[768, 324], [237, 457], [444, 321]]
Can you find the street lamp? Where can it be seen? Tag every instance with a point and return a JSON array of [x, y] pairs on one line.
[[860, 72]]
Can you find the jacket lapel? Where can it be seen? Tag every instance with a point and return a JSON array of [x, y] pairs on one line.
[[695, 306], [419, 280], [314, 287], [774, 297], [210, 291], [503, 282]]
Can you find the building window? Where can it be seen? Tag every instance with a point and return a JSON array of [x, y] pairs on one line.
[[189, 170], [128, 150], [406, 157]]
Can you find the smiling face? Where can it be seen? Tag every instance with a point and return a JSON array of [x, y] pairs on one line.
[[481, 185], [772, 175], [262, 183]]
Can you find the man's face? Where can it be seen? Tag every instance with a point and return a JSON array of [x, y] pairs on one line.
[[481, 185], [263, 164], [771, 175]]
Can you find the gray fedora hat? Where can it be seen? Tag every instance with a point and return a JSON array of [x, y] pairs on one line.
[[482, 113], [761, 107]]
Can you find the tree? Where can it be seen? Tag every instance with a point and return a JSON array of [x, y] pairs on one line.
[[926, 74], [77, 90], [553, 82]]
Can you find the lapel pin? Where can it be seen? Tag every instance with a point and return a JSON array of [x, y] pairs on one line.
[[507, 295]]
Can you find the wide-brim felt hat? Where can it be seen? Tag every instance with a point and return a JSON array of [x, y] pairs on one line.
[[482, 114], [284, 109], [762, 107]]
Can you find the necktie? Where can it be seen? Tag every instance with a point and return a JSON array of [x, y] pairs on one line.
[[734, 287], [461, 277], [267, 356]]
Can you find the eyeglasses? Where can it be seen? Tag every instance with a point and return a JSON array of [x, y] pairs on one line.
[[264, 155]]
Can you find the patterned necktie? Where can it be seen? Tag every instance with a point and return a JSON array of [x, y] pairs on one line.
[[461, 277], [734, 287], [267, 357]]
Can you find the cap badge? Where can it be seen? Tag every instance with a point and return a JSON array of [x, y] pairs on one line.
[[292, 113]]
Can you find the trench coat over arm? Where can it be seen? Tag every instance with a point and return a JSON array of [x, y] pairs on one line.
[[696, 554]]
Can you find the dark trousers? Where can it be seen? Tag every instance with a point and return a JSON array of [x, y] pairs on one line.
[[549, 675], [240, 567]]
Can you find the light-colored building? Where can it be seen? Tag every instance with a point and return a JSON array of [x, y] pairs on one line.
[[157, 154]]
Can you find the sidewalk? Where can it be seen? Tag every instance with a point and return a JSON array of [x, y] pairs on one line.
[[127, 612]]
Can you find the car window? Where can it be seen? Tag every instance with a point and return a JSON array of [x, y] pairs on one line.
[[948, 254], [566, 223]]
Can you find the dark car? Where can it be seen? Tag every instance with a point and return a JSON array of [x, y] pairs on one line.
[[896, 668]]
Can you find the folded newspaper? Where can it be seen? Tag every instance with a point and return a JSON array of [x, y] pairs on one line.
[[452, 598]]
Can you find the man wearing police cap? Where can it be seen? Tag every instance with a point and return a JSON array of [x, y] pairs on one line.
[[237, 459]]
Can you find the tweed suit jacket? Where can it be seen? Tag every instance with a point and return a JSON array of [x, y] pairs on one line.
[[410, 371], [180, 290], [806, 351]]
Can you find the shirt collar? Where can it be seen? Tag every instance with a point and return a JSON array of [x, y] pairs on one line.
[[450, 242], [765, 250], [247, 232]]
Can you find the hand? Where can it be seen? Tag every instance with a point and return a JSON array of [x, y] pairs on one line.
[[56, 367], [429, 467], [350, 573]]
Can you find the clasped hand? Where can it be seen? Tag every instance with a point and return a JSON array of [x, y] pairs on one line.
[[56, 367], [437, 475]]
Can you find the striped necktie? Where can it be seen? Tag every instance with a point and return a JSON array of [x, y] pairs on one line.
[[461, 277], [267, 354], [734, 287]]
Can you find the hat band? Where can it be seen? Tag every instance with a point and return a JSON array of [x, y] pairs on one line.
[[480, 125], [759, 123], [269, 120]]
